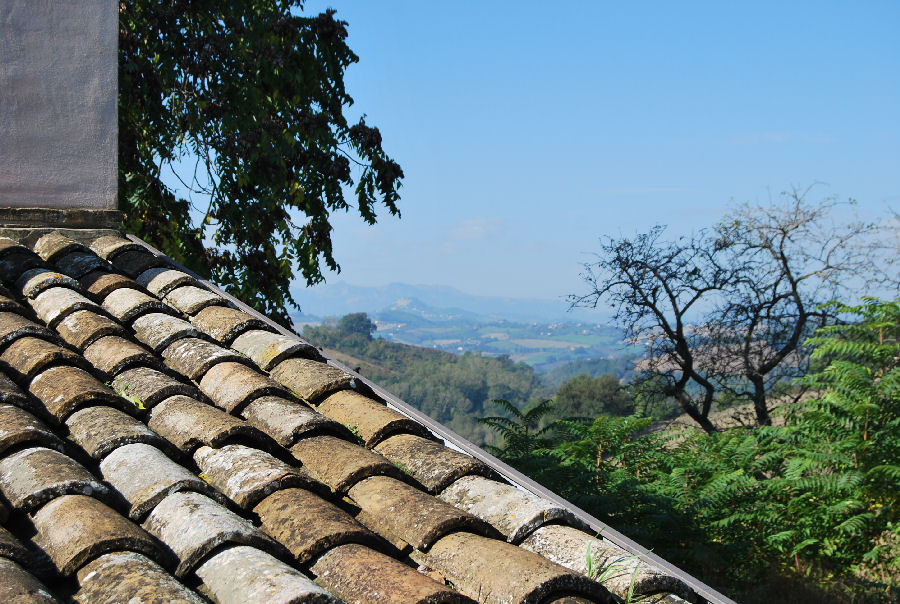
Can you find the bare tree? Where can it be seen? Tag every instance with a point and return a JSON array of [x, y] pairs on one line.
[[729, 309]]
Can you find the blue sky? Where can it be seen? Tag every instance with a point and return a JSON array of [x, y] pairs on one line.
[[528, 130]]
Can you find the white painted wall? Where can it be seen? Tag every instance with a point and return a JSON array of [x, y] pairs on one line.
[[58, 109]]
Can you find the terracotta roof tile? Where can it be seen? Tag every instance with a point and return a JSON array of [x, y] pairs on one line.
[[193, 525], [309, 525], [224, 323], [286, 421], [18, 585], [34, 281], [431, 463], [19, 427], [373, 421], [514, 512], [32, 477], [16, 261], [8, 304], [13, 326], [245, 574], [114, 354], [130, 577], [82, 328], [188, 424], [74, 529], [144, 476], [193, 357], [99, 430], [133, 262], [128, 304], [78, 264], [160, 281], [311, 380], [231, 386], [191, 299], [64, 389], [27, 357], [340, 464], [55, 304], [148, 387], [100, 284], [54, 245], [13, 549], [13, 395], [267, 349], [158, 330], [109, 246], [359, 574]]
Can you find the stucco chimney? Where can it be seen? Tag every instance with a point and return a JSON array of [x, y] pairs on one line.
[[58, 113]]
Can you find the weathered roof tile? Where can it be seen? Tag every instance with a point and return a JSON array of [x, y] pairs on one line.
[[133, 262], [241, 574], [286, 420], [19, 586], [308, 525], [130, 577], [13, 326], [224, 323], [55, 304], [109, 246], [13, 395], [232, 385], [75, 529], [19, 427], [514, 512], [160, 281], [82, 328], [34, 281], [98, 430], [496, 572], [147, 387], [113, 355], [413, 515], [267, 349], [340, 464], [193, 525], [145, 476], [188, 424], [372, 420], [158, 330], [15, 260], [247, 475], [8, 304], [13, 549], [32, 477], [127, 304], [77, 264], [55, 244], [340, 570], [64, 389], [431, 463], [568, 546], [191, 299], [311, 380], [27, 357], [102, 283], [193, 357]]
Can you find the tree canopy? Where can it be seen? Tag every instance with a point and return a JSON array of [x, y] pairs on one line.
[[244, 101]]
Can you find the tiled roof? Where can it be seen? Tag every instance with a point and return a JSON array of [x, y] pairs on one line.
[[158, 443]]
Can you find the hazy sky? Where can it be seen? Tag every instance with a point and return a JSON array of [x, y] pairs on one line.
[[529, 129]]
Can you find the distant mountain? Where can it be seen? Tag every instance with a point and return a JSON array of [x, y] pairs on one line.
[[433, 302]]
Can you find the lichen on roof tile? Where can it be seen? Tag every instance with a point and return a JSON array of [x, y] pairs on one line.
[[191, 299], [341, 571], [159, 281], [114, 354], [99, 430], [340, 464], [286, 420], [247, 475], [431, 463], [128, 304], [231, 386], [32, 477], [308, 525], [224, 323], [193, 525], [144, 476], [267, 349], [74, 529], [193, 357], [187, 423], [158, 330], [311, 380], [371, 419], [514, 512], [55, 304], [63, 389], [32, 282], [147, 387], [26, 357], [19, 427], [130, 577], [82, 328], [242, 573]]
